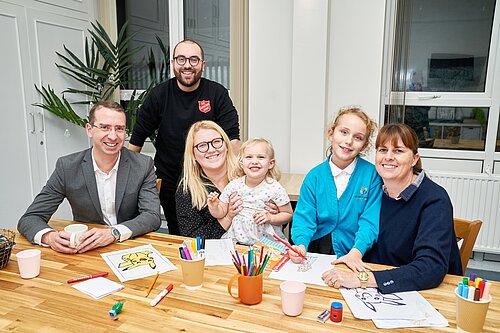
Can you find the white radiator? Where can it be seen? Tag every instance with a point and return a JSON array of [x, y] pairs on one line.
[[475, 197]]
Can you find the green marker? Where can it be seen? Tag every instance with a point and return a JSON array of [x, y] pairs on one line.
[[116, 309]]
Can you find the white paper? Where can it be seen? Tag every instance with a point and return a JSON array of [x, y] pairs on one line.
[[98, 287], [137, 262], [218, 252], [405, 309], [319, 263]]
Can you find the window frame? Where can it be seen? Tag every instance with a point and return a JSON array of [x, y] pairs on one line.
[[490, 98]]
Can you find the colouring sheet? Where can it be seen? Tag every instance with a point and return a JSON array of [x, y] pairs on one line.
[[406, 309], [218, 252], [137, 262], [309, 271]]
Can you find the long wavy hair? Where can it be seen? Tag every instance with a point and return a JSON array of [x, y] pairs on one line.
[[274, 172], [193, 177]]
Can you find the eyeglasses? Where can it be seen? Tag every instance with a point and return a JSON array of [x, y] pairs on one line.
[[203, 147], [181, 60], [108, 128]]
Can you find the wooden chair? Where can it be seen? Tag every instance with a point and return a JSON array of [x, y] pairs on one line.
[[158, 184], [468, 231]]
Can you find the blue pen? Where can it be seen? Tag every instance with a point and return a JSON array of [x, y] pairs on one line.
[[198, 243]]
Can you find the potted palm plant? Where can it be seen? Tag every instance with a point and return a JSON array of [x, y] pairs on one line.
[[103, 70]]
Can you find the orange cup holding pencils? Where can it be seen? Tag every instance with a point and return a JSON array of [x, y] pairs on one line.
[[249, 288], [192, 272]]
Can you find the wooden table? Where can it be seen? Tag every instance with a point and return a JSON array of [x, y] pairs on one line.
[[48, 304], [292, 183]]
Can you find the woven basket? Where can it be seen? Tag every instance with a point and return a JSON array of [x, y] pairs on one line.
[[6, 245]]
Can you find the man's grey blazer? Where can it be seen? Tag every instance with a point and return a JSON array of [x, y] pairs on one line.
[[136, 199]]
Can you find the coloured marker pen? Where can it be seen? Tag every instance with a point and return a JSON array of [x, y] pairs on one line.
[[84, 278], [486, 292], [161, 295]]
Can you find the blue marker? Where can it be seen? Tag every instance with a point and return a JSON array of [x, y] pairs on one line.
[[198, 243], [465, 293], [460, 290]]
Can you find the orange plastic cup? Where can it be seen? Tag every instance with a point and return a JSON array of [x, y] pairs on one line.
[[249, 288]]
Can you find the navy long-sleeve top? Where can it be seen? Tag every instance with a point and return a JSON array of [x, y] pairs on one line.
[[417, 235]]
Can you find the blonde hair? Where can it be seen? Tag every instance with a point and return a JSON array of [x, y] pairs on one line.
[[274, 172], [192, 172], [371, 126]]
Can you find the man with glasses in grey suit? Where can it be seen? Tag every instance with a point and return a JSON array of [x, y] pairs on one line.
[[106, 184]]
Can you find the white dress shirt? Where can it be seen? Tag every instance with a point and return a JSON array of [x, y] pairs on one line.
[[342, 176], [106, 188]]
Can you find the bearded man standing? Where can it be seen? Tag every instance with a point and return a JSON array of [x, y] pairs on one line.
[[171, 108]]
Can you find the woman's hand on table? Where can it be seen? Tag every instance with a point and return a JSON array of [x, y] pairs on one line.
[[353, 260], [296, 259], [338, 278]]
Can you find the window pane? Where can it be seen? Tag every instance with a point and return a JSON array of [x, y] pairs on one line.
[[446, 42], [146, 21], [207, 22], [440, 127]]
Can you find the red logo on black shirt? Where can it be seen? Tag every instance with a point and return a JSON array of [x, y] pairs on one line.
[[204, 106]]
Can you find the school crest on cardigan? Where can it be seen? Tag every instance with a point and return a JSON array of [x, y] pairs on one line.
[[204, 106]]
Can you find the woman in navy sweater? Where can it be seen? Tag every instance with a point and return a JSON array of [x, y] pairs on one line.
[[416, 222]]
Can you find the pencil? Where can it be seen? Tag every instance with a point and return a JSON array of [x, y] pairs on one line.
[[152, 283], [288, 246]]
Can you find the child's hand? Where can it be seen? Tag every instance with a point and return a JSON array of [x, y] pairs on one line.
[[213, 200], [296, 259], [262, 217], [353, 260]]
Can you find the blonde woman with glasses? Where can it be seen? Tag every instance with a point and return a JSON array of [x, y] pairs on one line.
[[209, 165]]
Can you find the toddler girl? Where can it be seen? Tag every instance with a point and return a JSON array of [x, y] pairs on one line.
[[258, 184]]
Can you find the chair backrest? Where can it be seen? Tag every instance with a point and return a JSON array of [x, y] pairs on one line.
[[468, 231], [158, 184]]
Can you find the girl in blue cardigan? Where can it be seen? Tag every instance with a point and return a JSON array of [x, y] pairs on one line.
[[338, 210]]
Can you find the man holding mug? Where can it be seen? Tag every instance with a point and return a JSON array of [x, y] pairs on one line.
[[106, 184]]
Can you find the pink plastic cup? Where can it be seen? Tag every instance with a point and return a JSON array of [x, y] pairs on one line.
[[29, 263], [292, 297]]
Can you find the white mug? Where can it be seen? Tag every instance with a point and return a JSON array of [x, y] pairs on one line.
[[75, 231]]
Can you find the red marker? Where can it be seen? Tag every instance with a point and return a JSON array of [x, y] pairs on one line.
[[288, 246], [161, 295], [281, 263], [83, 278]]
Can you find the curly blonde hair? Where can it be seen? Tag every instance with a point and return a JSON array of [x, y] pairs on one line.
[[371, 125]]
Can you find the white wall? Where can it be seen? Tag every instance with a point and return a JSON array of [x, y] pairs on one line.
[[31, 32], [308, 58], [270, 74]]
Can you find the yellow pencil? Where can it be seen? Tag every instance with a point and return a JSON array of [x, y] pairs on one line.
[[152, 283]]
